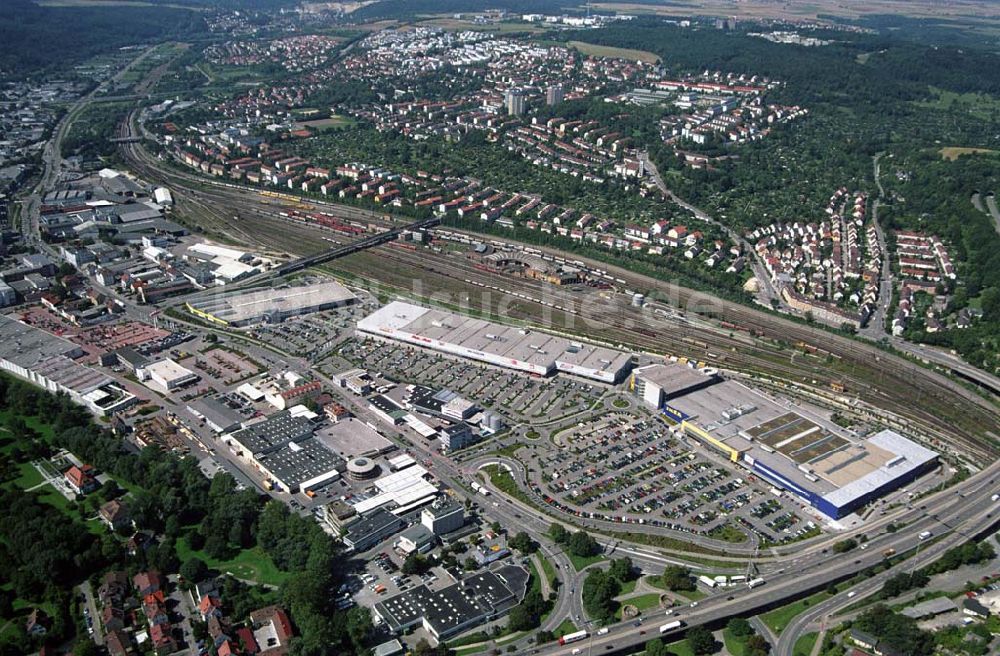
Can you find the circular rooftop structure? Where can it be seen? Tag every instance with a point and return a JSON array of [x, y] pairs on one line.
[[362, 468]]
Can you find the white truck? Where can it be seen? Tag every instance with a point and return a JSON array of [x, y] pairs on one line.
[[753, 583], [669, 626]]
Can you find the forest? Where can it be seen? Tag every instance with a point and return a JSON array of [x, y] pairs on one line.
[[41, 40]]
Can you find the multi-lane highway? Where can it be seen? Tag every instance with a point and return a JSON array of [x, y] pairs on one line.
[[956, 516]]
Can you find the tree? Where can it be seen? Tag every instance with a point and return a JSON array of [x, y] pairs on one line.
[[843, 546], [558, 533], [677, 578], [599, 592], [657, 647], [85, 647], [757, 645], [583, 545], [523, 543], [194, 570], [740, 627], [622, 569], [896, 630], [701, 641], [415, 564]]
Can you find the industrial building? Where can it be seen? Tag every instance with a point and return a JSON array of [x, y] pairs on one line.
[[270, 305], [167, 374], [300, 466], [804, 455], [283, 449], [216, 414], [400, 492], [372, 528], [522, 349], [49, 362], [459, 607], [443, 516], [658, 383]]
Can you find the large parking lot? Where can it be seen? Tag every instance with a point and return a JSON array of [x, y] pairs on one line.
[[314, 335], [629, 467], [514, 395]]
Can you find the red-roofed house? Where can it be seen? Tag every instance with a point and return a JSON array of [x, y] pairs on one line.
[[81, 479], [162, 638], [272, 630], [147, 582], [244, 637], [209, 606]]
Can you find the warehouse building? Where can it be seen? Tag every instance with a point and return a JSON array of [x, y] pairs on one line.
[[283, 449], [521, 349], [300, 466], [457, 608], [371, 528], [216, 414], [49, 362], [167, 374], [400, 492], [658, 383], [270, 305], [806, 456]]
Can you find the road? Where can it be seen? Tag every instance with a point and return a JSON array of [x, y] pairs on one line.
[[52, 159], [968, 517], [991, 204], [876, 323], [767, 293], [95, 618]]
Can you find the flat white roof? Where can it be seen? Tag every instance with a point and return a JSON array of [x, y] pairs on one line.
[[909, 456], [255, 303], [168, 370], [406, 488], [218, 251], [498, 344]]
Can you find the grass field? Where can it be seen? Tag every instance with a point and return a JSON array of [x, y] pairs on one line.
[[475, 649], [250, 564], [778, 619], [734, 645], [579, 563], [565, 628], [680, 648], [693, 595], [595, 50], [334, 122], [953, 152], [980, 105], [804, 645], [642, 602], [628, 587], [548, 570]]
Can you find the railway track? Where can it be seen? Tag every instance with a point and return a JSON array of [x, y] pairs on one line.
[[879, 378]]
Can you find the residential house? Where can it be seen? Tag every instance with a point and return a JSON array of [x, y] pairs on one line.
[[38, 623], [118, 643], [115, 514], [147, 582], [272, 630], [82, 479]]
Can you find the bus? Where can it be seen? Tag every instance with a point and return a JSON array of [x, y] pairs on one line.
[[572, 637]]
